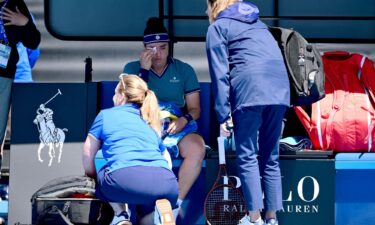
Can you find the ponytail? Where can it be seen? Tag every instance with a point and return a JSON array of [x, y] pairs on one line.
[[150, 111], [135, 90]]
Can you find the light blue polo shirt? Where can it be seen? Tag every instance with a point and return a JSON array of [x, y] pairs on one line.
[[126, 139], [177, 80]]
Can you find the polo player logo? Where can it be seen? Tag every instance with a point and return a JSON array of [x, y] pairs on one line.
[[49, 135]]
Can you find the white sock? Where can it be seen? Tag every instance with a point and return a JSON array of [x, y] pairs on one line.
[[118, 208], [176, 210], [179, 202]]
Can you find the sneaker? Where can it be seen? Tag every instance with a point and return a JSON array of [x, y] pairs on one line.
[[121, 219], [246, 221], [163, 213], [272, 222]]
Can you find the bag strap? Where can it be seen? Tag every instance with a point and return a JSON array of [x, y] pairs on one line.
[[52, 215], [307, 123], [370, 115], [303, 117], [316, 139]]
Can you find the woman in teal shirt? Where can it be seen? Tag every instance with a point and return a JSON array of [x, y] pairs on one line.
[[174, 82]]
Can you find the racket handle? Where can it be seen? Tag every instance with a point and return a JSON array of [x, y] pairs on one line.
[[233, 142], [221, 146]]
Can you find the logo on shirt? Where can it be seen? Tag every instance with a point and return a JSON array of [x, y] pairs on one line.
[[174, 80], [49, 135]]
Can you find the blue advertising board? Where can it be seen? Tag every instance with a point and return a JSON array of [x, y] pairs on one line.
[[355, 196], [308, 189]]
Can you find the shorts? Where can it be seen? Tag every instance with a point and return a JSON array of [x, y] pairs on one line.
[[170, 111]]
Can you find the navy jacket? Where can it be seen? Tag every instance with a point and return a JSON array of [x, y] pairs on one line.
[[245, 62]]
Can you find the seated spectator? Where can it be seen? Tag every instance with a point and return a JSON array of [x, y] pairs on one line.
[[138, 169], [17, 26], [26, 62], [173, 81]]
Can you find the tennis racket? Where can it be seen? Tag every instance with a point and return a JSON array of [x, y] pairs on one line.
[[224, 204]]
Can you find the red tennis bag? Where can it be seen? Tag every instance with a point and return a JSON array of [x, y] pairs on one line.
[[344, 120]]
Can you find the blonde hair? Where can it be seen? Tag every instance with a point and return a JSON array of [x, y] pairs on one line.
[[135, 90], [217, 6]]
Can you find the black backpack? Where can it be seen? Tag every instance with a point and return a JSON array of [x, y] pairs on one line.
[[304, 65]]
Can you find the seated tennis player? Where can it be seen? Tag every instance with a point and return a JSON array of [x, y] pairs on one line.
[[173, 81]]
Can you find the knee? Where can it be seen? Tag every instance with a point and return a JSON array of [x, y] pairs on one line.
[[199, 152], [193, 148]]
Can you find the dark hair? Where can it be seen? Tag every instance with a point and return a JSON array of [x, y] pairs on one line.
[[154, 26]]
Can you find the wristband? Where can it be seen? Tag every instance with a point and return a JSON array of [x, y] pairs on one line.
[[188, 117]]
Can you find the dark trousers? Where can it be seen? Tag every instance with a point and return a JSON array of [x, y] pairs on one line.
[[138, 185], [257, 131]]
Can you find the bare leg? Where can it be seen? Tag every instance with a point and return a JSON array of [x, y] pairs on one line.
[[270, 215], [254, 215], [192, 150]]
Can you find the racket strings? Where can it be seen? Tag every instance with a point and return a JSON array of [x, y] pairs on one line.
[[224, 206]]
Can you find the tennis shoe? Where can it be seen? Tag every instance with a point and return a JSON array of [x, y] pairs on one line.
[[272, 222], [121, 219], [246, 221], [163, 214]]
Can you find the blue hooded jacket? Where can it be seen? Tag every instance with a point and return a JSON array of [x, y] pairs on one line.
[[245, 62]]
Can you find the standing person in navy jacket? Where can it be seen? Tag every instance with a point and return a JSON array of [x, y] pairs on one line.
[[16, 25], [250, 85]]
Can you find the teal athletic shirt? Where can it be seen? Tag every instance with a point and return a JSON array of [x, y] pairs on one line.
[[177, 80], [126, 139]]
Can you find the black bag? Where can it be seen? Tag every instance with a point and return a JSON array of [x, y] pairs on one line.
[[69, 200], [304, 65]]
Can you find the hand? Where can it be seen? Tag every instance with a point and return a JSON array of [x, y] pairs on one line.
[[177, 125], [14, 18], [145, 59], [225, 128]]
